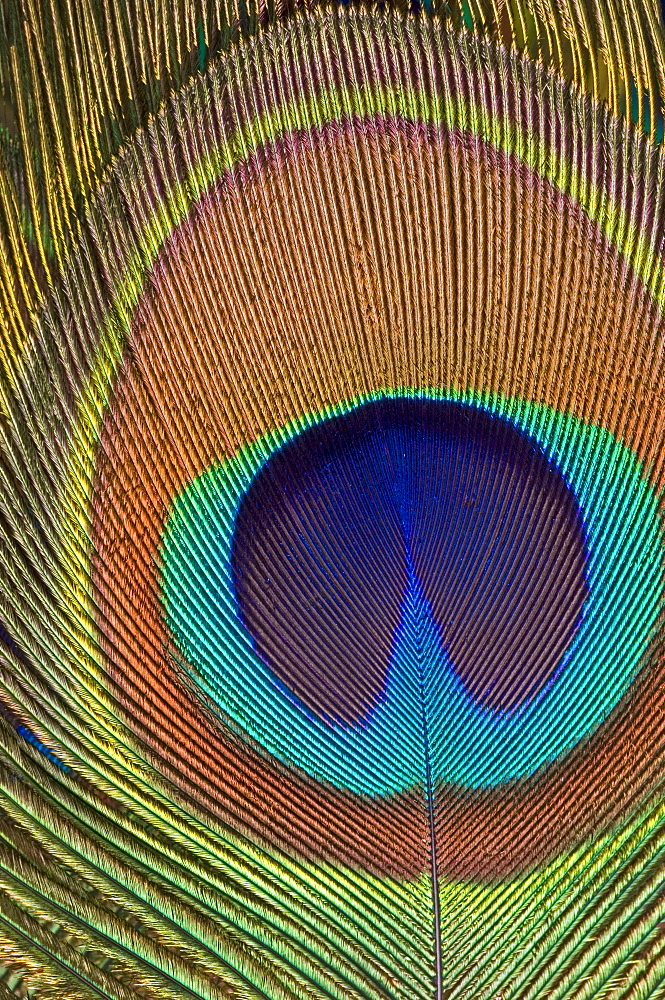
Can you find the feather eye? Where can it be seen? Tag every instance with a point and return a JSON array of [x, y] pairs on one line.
[[331, 506]]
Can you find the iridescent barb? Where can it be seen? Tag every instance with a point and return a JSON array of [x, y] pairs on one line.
[[330, 512]]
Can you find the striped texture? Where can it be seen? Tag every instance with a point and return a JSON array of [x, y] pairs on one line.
[[332, 464]]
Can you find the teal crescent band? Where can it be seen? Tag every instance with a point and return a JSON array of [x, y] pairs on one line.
[[470, 745]]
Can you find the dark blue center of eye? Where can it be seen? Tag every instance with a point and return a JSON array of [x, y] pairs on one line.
[[339, 521]]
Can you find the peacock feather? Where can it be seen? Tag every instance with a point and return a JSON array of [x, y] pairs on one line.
[[332, 464]]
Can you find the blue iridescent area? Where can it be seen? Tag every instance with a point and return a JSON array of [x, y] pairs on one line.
[[414, 563], [340, 519]]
